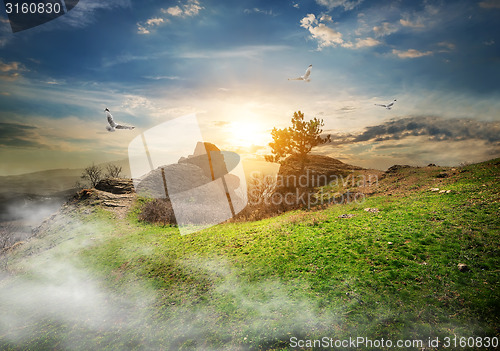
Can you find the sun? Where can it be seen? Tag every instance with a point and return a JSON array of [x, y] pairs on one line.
[[247, 133]]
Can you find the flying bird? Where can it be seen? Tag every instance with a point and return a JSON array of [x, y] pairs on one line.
[[306, 75], [112, 125], [389, 105]]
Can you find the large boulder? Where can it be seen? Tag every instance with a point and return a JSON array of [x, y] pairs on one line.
[[318, 171]]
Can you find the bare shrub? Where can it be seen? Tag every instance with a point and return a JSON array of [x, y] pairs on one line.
[[93, 174], [113, 171], [157, 211], [260, 192]]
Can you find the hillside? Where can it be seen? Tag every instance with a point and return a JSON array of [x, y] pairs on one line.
[[407, 263], [50, 181]]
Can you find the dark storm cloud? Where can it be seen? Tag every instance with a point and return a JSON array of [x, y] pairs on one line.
[[435, 128], [17, 135]]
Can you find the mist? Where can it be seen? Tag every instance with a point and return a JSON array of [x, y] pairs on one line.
[[49, 296]]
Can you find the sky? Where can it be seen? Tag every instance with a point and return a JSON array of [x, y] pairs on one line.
[[229, 62]]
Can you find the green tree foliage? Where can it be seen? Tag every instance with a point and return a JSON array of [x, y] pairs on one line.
[[299, 139]]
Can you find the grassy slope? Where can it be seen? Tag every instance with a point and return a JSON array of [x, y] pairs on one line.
[[308, 274]]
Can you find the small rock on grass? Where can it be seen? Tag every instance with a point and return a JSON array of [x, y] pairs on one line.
[[462, 267], [346, 215], [434, 189], [372, 210]]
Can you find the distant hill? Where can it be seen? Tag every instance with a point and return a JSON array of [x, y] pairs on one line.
[[51, 181]]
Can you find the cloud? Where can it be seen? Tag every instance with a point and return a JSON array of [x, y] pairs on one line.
[[328, 37], [416, 23], [149, 24], [173, 11], [325, 36], [17, 135], [367, 42], [490, 4], [85, 13], [189, 9], [435, 128], [247, 51], [11, 71], [411, 53], [162, 77], [384, 29], [423, 19], [257, 10], [346, 4], [446, 46], [326, 19]]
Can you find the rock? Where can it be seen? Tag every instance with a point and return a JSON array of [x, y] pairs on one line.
[[442, 175], [396, 168], [116, 186], [98, 197], [448, 191], [434, 189], [442, 191], [462, 267], [431, 165], [372, 210], [318, 171], [346, 215]]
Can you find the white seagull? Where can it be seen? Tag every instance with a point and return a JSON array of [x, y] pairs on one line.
[[389, 105], [306, 75], [112, 125]]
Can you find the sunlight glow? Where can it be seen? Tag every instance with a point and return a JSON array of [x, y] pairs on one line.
[[247, 133]]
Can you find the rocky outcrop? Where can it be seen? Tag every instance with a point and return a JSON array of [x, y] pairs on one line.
[[206, 164], [116, 186], [318, 171], [396, 168]]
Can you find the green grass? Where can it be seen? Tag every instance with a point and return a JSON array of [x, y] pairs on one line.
[[309, 274]]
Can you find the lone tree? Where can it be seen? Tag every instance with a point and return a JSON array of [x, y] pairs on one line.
[[298, 140], [93, 174], [113, 171]]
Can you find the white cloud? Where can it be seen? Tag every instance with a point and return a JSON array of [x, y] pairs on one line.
[[173, 11], [326, 19], [411, 53], [257, 10], [415, 23], [162, 77], [325, 36], [296, 5], [346, 4], [384, 29], [189, 9], [11, 71], [150, 23], [367, 42]]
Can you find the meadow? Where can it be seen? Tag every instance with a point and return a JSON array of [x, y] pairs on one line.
[[90, 280]]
